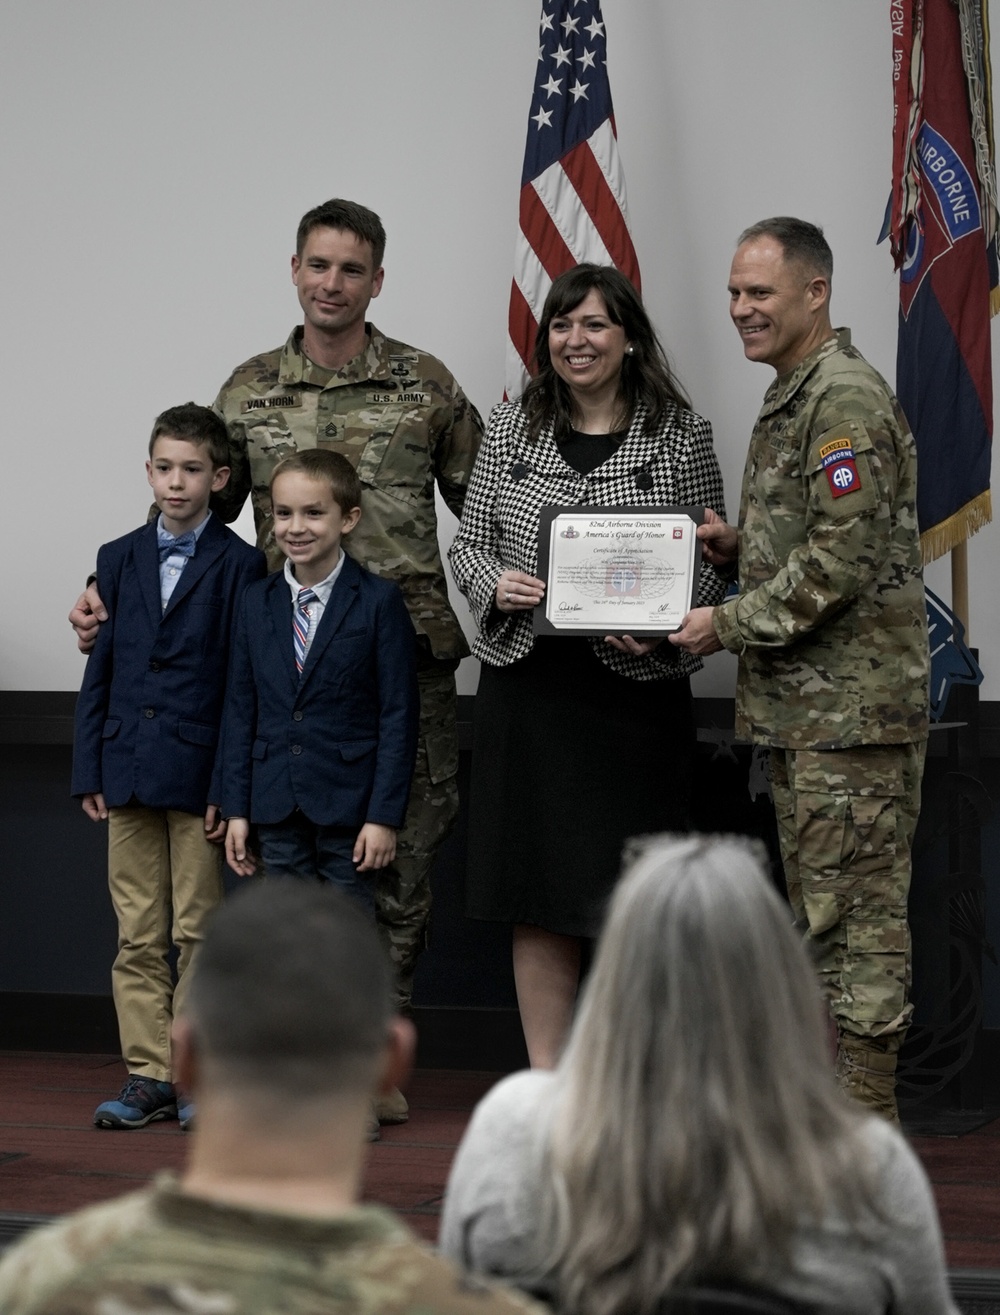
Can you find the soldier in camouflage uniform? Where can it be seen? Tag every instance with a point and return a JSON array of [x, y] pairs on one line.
[[289, 1029], [829, 625], [399, 416]]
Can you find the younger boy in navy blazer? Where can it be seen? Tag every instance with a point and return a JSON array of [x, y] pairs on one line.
[[320, 731], [146, 742]]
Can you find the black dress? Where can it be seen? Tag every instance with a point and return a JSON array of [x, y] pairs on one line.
[[570, 759]]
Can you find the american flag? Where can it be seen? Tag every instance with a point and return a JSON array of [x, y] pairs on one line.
[[572, 189]]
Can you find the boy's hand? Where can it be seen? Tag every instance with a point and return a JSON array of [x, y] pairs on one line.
[[375, 846], [238, 855], [215, 826], [86, 616], [95, 807]]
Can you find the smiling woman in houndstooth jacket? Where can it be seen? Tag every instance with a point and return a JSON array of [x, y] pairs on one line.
[[579, 743]]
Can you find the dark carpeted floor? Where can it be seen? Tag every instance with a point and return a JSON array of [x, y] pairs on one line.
[[52, 1160]]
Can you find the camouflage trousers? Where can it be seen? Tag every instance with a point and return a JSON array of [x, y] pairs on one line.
[[403, 890], [846, 819]]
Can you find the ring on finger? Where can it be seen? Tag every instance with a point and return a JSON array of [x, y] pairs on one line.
[[507, 595]]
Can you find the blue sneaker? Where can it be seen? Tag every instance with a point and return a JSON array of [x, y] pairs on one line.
[[140, 1101], [185, 1111]]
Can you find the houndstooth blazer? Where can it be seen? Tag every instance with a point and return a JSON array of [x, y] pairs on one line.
[[514, 479]]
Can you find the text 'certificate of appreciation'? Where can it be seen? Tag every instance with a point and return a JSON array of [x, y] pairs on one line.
[[617, 570]]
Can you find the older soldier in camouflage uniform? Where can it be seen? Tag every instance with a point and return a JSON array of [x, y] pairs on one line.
[[288, 1031], [830, 629], [399, 416]]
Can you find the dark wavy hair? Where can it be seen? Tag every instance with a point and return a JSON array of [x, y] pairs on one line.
[[646, 376]]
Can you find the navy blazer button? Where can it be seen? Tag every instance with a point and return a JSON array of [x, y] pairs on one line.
[[297, 715], [154, 666], [148, 712], [296, 748]]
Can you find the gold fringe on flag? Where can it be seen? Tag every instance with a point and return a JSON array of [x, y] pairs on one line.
[[948, 534]]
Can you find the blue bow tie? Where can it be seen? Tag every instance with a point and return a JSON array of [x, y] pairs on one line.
[[169, 544]]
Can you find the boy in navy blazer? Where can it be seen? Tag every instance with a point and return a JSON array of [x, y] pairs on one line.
[[320, 731], [147, 739]]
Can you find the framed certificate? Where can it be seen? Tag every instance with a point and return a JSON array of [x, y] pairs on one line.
[[617, 570]]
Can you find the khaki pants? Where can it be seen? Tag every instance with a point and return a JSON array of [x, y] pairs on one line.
[[165, 879], [846, 819]]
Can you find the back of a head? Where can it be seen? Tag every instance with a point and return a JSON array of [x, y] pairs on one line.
[[700, 970], [291, 993], [695, 1087]]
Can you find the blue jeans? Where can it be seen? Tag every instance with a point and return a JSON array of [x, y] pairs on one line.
[[297, 847]]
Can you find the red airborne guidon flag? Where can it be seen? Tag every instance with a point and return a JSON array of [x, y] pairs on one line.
[[572, 205], [942, 224]]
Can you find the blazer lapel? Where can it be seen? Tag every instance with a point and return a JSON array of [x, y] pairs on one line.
[[146, 555], [279, 611], [210, 548], [345, 591]]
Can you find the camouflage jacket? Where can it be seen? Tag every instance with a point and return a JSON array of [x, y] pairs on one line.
[[829, 623], [400, 417], [161, 1249]]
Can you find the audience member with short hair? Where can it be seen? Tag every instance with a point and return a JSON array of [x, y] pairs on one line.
[[693, 1133], [288, 1033]]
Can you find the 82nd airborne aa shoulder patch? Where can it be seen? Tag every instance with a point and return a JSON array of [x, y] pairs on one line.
[[841, 469]]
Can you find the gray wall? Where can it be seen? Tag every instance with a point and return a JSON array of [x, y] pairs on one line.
[[157, 159]]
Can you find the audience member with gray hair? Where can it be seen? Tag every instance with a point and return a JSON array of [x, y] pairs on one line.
[[693, 1133]]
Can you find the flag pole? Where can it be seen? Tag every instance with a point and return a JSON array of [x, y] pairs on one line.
[[960, 584]]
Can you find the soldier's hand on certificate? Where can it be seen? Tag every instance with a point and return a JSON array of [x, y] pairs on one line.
[[637, 647], [719, 542], [517, 592], [697, 634]]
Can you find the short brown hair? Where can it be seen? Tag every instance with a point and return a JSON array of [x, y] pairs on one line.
[[291, 992], [349, 217], [798, 239], [321, 464], [197, 424]]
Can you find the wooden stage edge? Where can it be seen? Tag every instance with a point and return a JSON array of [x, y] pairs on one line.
[[449, 1037]]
